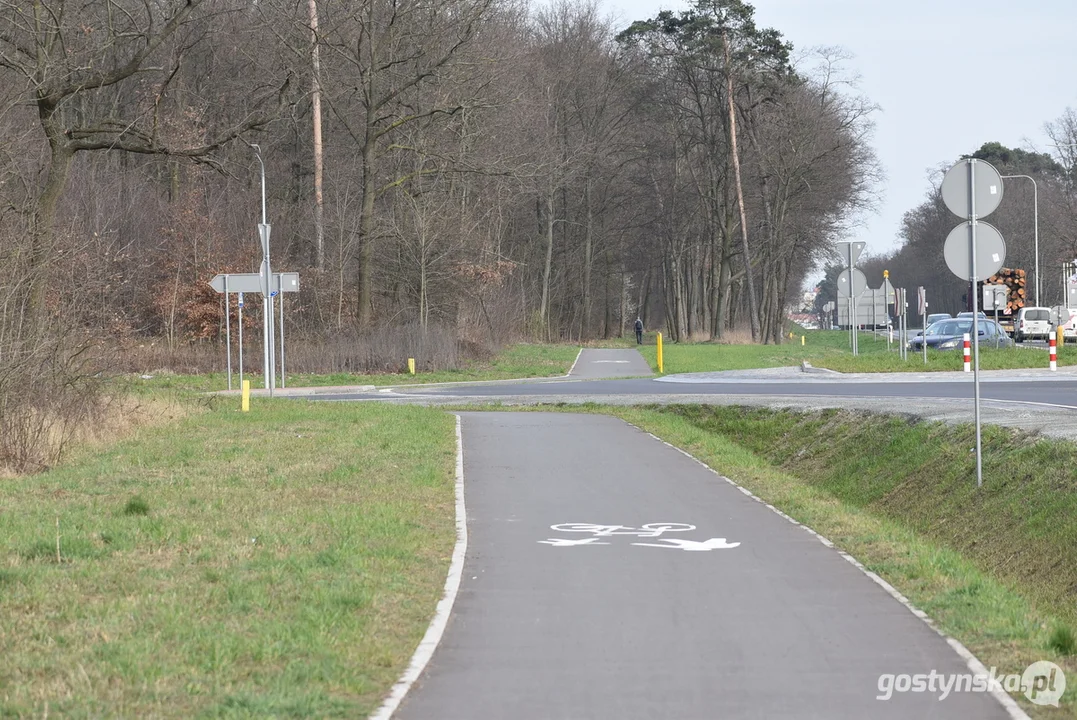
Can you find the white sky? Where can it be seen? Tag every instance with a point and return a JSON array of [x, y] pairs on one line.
[[949, 75]]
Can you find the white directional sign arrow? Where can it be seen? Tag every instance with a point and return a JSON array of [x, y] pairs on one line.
[[692, 545]]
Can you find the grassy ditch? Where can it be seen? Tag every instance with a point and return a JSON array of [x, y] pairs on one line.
[[523, 360], [830, 349], [995, 567], [282, 563]]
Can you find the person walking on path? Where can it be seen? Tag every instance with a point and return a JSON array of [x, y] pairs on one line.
[[639, 331]]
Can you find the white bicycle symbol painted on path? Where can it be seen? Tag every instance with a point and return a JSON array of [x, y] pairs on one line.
[[649, 530]]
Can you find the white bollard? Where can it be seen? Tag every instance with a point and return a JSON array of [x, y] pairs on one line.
[[968, 354]]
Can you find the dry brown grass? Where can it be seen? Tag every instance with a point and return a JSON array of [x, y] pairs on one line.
[[737, 336]]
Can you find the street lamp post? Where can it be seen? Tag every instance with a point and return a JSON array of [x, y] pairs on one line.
[[1035, 230]]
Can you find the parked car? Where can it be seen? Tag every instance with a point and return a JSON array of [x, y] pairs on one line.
[[950, 335], [967, 315], [1032, 322], [935, 317]]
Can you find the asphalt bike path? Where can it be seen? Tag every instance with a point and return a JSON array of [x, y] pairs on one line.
[[595, 363], [608, 575]]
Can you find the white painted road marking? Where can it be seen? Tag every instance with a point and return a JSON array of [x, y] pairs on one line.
[[610, 361], [566, 542], [648, 530], [693, 545]]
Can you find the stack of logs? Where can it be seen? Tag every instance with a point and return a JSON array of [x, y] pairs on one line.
[[1014, 279]]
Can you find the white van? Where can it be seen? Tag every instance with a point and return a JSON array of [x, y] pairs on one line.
[[1032, 322]]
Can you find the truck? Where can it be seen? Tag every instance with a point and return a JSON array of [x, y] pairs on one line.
[[1015, 281]]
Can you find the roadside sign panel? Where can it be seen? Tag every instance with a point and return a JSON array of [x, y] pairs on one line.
[[850, 252], [851, 283], [252, 282], [987, 188]]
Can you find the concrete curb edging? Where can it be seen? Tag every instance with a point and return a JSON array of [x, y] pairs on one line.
[[438, 623], [807, 367], [973, 663]]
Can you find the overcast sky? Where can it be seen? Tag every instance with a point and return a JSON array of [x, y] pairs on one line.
[[949, 76]]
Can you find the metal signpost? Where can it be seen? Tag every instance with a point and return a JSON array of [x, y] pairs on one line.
[[995, 298], [252, 282], [240, 300], [897, 318], [874, 315], [228, 333], [921, 306], [850, 253], [973, 189], [268, 355]]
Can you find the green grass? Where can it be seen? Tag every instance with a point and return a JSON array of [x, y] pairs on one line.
[[281, 563], [996, 567], [830, 349], [523, 360]]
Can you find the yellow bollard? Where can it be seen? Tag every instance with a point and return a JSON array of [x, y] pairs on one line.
[[801, 341], [411, 365], [660, 353], [245, 404], [1060, 336]]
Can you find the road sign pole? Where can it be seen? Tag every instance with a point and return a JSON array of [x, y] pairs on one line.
[[282, 340], [852, 303], [265, 336], [273, 344], [905, 323], [241, 339], [227, 333], [975, 319], [923, 311], [874, 317]]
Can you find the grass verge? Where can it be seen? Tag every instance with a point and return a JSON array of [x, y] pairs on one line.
[[996, 567], [282, 563], [830, 349], [523, 360]]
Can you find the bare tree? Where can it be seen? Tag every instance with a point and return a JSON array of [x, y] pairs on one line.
[[99, 76]]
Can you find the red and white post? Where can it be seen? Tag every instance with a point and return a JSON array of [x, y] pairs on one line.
[[968, 354], [1054, 353]]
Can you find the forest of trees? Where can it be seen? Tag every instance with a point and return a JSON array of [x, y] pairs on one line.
[[484, 166]]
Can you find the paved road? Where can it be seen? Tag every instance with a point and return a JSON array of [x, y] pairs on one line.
[[610, 363], [1058, 392], [779, 626]]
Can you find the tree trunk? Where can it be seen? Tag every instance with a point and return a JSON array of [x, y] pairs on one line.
[[587, 250], [41, 237], [366, 226], [316, 111], [546, 268], [753, 310]]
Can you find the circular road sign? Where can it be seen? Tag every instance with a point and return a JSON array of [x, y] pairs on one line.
[[990, 251], [987, 188], [851, 283]]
